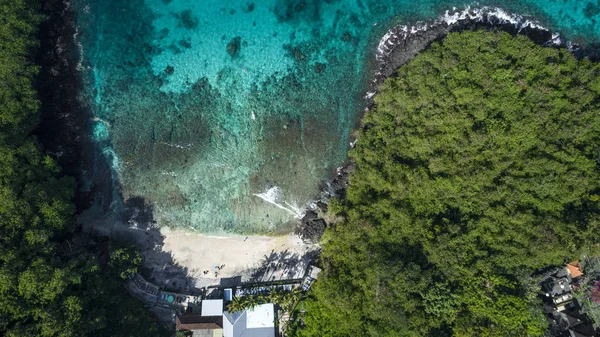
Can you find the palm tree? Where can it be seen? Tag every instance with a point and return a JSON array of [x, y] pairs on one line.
[[236, 304], [262, 298], [251, 301], [293, 296], [277, 297]]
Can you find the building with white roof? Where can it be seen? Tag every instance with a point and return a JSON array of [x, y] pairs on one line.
[[212, 308], [256, 322]]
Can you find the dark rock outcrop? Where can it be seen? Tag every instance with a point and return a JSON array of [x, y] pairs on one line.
[[234, 46], [320, 67], [402, 43], [311, 230]]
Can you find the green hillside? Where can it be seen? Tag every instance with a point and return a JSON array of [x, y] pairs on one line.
[[478, 165]]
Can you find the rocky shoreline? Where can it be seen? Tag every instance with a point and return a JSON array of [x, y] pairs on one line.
[[65, 119], [403, 42]]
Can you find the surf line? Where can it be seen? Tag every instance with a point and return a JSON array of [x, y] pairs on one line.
[[274, 195]]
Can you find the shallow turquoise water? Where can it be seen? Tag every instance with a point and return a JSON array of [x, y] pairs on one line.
[[201, 106]]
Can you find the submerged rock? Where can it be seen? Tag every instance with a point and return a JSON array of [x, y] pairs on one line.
[[186, 43], [320, 67], [188, 20], [234, 46], [346, 37], [249, 7], [163, 33], [169, 70], [295, 52]]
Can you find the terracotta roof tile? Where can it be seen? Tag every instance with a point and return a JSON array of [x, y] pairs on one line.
[[574, 269]]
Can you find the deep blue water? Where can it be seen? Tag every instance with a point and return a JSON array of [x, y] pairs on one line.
[[201, 106]]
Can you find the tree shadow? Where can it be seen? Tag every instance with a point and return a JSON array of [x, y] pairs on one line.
[[137, 227], [282, 266], [65, 129], [159, 266], [230, 281]]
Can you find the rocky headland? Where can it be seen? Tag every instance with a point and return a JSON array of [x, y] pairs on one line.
[[401, 44]]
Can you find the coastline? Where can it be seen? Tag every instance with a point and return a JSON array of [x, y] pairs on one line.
[[64, 119], [244, 259], [399, 45], [179, 258], [402, 43]]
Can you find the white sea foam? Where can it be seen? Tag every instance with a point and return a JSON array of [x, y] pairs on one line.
[[274, 196], [556, 40], [178, 146], [492, 15], [79, 66]]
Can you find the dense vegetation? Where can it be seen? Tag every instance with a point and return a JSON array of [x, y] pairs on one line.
[[478, 166], [284, 299], [50, 284]]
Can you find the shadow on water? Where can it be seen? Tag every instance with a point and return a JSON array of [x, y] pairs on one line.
[[63, 123]]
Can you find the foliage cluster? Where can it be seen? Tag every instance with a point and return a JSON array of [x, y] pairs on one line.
[[595, 292], [588, 289], [284, 299], [588, 296], [477, 166], [49, 286]]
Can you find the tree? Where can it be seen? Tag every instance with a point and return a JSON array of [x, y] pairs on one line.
[[125, 261], [236, 304]]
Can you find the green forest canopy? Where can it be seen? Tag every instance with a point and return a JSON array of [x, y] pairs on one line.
[[49, 285], [478, 166]]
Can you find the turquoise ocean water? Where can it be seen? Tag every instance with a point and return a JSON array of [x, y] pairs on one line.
[[210, 109]]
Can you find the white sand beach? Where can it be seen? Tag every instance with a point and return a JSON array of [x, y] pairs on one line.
[[208, 259], [183, 260]]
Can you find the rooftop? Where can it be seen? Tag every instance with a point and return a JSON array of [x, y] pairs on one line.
[[256, 322], [574, 269], [212, 307], [261, 316], [198, 322]]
